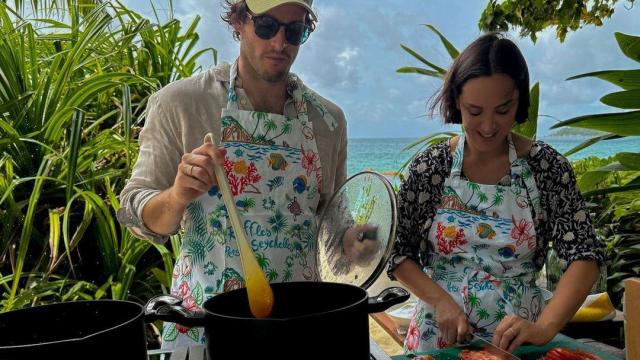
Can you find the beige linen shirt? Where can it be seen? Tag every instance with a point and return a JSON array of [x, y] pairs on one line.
[[177, 119]]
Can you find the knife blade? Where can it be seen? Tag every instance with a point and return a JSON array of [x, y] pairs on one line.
[[478, 342]]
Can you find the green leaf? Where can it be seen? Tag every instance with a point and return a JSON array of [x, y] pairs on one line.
[[197, 294], [629, 99], [126, 278], [127, 118], [425, 139], [422, 143], [167, 260], [630, 45], [161, 276], [530, 127], [27, 228], [102, 290], [590, 179], [194, 334], [54, 238], [170, 333], [423, 60], [614, 166], [624, 123], [626, 79], [417, 70], [618, 275], [74, 141], [612, 189], [590, 142], [453, 52], [629, 160]]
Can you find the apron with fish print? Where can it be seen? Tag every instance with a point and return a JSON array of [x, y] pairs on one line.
[[484, 241], [274, 172]]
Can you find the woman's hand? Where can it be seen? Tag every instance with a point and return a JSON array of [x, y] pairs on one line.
[[513, 331], [452, 321], [195, 173]]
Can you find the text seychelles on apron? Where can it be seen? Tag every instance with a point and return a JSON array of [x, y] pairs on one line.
[[274, 171], [484, 241]]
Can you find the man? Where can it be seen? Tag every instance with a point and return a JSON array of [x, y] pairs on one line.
[[282, 146]]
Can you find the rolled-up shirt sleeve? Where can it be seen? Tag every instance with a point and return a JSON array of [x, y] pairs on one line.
[[155, 169], [569, 224]]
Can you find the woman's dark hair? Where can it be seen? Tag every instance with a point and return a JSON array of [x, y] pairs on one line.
[[236, 11], [489, 54]]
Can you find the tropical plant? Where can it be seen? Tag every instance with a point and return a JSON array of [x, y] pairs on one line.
[[613, 185], [533, 16], [428, 68], [75, 79]]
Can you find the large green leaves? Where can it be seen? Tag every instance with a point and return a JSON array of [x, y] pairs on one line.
[[615, 123], [433, 70], [624, 124], [71, 96], [590, 142], [626, 79], [614, 183], [630, 45], [629, 99]]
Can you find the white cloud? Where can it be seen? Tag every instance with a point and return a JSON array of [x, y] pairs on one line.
[[345, 57], [352, 56]]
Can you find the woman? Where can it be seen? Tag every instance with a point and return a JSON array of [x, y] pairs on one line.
[[477, 211]]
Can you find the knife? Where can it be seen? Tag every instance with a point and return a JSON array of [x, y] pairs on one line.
[[475, 341]]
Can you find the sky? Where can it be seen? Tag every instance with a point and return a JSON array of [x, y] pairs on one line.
[[353, 55]]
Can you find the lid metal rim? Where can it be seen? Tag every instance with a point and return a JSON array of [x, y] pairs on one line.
[[392, 231]]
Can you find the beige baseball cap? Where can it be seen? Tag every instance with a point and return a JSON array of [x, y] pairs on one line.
[[262, 6]]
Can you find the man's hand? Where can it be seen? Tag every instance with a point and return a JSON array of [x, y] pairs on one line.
[[195, 173], [360, 248], [195, 176]]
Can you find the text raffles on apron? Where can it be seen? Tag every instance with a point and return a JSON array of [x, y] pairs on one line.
[[484, 241], [274, 172]]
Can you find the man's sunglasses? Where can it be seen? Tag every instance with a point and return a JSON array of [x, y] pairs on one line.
[[266, 27]]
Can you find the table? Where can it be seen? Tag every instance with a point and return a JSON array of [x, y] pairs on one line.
[[387, 323], [527, 352], [198, 352]]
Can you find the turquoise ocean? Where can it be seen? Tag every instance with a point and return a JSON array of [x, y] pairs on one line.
[[386, 154]]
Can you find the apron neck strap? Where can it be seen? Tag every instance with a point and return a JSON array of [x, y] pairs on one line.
[[458, 156], [299, 92], [513, 154]]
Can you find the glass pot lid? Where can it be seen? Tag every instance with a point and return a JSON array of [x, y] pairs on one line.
[[366, 204]]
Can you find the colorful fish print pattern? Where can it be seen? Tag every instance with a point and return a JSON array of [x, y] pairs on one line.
[[484, 242], [275, 175]]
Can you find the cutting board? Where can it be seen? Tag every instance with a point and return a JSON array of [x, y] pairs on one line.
[[527, 352]]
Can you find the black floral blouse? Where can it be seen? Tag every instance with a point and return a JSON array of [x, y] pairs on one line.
[[564, 219]]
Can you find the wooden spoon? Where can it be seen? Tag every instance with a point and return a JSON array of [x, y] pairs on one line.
[[258, 288]]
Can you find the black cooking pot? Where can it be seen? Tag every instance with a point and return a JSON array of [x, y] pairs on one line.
[[100, 329], [310, 320]]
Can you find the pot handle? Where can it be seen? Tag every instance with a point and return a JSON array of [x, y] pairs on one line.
[[169, 308], [387, 299]]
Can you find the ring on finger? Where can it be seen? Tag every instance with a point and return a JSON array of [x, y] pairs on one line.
[[511, 330], [191, 170]]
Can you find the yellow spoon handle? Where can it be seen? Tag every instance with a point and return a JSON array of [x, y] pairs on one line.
[[258, 288]]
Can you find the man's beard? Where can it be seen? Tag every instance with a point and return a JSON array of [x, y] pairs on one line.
[[274, 77]]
